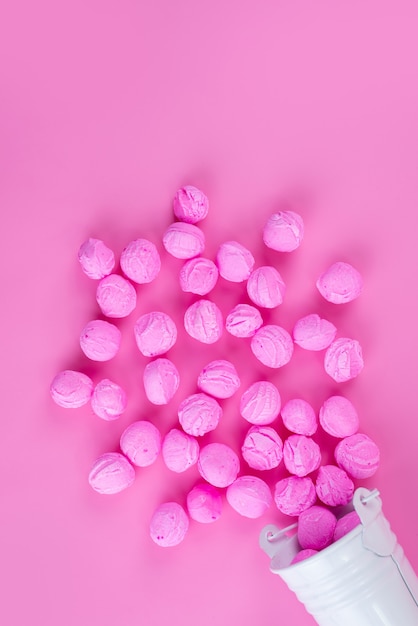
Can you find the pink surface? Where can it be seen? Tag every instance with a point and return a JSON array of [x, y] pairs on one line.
[[106, 110]]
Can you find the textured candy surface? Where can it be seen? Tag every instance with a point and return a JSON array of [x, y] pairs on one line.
[[243, 321], [340, 283], [338, 417], [169, 524], [96, 259], [333, 486], [140, 261], [100, 340], [71, 389], [219, 379], [108, 400], [111, 473], [358, 455], [203, 321], [262, 448], [155, 333], [265, 287], [283, 231], [161, 381], [346, 524], [344, 359], [314, 333], [180, 450], [260, 403], [218, 464], [199, 276], [272, 345], [302, 555], [184, 241], [234, 261], [116, 296], [301, 455], [316, 528], [190, 204], [299, 417], [250, 496], [293, 495], [141, 443], [199, 414], [204, 503]]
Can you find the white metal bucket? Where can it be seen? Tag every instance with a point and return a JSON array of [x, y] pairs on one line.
[[363, 579]]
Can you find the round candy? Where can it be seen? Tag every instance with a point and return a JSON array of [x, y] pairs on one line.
[[249, 496], [161, 381], [169, 524], [293, 495], [358, 455], [180, 451], [140, 261], [184, 241], [190, 204], [243, 321], [100, 340], [141, 443], [260, 403], [340, 283], [108, 400], [235, 262], [204, 503], [344, 360], [116, 296], [302, 555], [283, 231], [265, 287], [346, 524], [272, 346], [316, 528], [199, 414], [203, 321], [262, 448], [96, 259], [111, 473], [71, 389], [199, 276], [299, 417], [301, 455], [155, 333], [333, 486], [218, 464], [338, 417], [219, 379], [314, 333]]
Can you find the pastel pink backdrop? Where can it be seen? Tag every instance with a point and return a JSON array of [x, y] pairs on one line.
[[107, 108]]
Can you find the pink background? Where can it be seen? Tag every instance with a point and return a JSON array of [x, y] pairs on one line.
[[107, 108]]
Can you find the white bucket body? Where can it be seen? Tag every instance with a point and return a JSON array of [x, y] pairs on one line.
[[363, 579]]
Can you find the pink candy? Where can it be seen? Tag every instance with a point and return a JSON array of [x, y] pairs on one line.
[[108, 400], [340, 283], [141, 443], [111, 473], [316, 527], [184, 241], [344, 360], [100, 340], [204, 504], [283, 231], [219, 379], [301, 455], [190, 204], [346, 524], [243, 321], [272, 346], [262, 448], [333, 486], [96, 259], [234, 261], [169, 524], [71, 389], [265, 287], [249, 496], [116, 296], [302, 555], [161, 381], [199, 276], [313, 333], [358, 455], [338, 417], [140, 261], [260, 403], [293, 495], [299, 417], [155, 333], [199, 414], [203, 321], [218, 464], [180, 451]]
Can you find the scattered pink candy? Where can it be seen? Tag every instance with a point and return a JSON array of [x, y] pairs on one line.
[[234, 261], [340, 283], [316, 527], [169, 524], [243, 321], [265, 287], [180, 450], [108, 400], [299, 417], [314, 333], [346, 524], [140, 261], [71, 389], [358, 455], [249, 496], [190, 204], [218, 464], [199, 276], [272, 346], [203, 321], [111, 473], [294, 494], [219, 379], [260, 403], [301, 455], [333, 486], [100, 340], [344, 360], [184, 241], [155, 333], [96, 259], [141, 443], [262, 448], [338, 417], [116, 296], [283, 231], [199, 414], [204, 503], [161, 381]]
